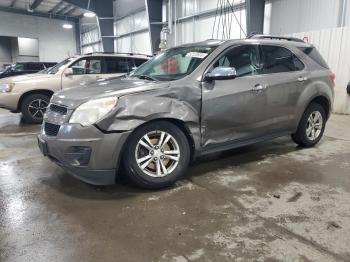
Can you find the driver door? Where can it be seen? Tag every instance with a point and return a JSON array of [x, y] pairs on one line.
[[85, 70], [235, 109]]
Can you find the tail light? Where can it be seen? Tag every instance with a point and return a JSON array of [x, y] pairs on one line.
[[332, 76]]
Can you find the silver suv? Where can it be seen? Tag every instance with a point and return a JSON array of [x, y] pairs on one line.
[[189, 101]]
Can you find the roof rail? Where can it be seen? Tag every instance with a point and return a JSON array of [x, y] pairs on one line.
[[114, 53], [276, 38]]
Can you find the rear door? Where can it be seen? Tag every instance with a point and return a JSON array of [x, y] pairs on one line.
[[285, 76], [85, 70]]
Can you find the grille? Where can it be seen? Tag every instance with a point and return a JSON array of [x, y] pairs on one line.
[[62, 110], [51, 129]]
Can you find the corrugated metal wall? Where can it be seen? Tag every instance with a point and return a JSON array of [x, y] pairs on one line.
[[334, 45], [291, 16], [133, 34], [201, 28]]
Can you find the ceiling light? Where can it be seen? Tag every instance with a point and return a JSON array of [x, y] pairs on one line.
[[67, 26], [89, 14]]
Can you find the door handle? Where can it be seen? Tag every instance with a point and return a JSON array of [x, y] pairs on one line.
[[259, 87], [302, 78]]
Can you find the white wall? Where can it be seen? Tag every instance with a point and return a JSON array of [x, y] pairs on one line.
[[133, 43], [199, 29], [290, 16], [334, 45], [55, 42]]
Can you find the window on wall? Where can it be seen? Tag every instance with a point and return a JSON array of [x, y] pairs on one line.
[[245, 59], [279, 59]]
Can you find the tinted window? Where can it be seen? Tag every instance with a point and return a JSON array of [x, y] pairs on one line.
[[277, 60], [314, 55], [87, 66], [245, 59], [139, 62], [34, 66], [117, 65]]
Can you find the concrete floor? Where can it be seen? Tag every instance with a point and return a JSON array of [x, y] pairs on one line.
[[267, 202]]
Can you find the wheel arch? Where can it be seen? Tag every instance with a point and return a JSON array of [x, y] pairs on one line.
[[32, 92], [179, 123]]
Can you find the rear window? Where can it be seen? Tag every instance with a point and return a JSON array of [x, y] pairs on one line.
[[313, 53], [279, 59]]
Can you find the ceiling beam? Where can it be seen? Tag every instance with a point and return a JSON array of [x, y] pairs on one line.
[[56, 7], [64, 10], [36, 13], [35, 4], [71, 11]]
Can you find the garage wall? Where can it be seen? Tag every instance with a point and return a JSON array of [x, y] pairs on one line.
[[290, 16], [132, 34], [334, 45], [55, 42], [196, 21], [5, 51]]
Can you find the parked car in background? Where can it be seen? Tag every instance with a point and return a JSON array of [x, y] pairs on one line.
[[189, 101], [23, 68], [30, 94]]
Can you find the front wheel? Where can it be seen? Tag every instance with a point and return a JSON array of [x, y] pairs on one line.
[[311, 126], [34, 107], [157, 155]]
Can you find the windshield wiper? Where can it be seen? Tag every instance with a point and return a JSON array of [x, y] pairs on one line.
[[146, 77]]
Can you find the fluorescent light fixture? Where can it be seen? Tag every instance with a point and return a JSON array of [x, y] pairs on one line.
[[89, 14], [67, 26]]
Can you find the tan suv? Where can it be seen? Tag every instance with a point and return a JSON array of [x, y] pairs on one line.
[[30, 94]]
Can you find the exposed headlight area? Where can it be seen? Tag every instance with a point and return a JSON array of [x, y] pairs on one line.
[[93, 110], [6, 88]]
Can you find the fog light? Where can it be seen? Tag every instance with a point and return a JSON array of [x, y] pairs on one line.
[[78, 155]]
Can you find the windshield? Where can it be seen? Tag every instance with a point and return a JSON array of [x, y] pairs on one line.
[[53, 70], [173, 64]]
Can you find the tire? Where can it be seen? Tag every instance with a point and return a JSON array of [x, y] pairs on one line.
[[150, 173], [304, 137], [33, 108]]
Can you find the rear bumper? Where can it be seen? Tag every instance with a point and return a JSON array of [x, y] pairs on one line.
[[85, 152]]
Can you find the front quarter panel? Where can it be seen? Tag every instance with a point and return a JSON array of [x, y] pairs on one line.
[[177, 101]]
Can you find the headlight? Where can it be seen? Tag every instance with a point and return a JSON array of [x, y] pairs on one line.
[[5, 88], [92, 111]]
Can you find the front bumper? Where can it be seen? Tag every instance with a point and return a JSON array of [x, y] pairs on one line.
[[85, 152], [9, 101]]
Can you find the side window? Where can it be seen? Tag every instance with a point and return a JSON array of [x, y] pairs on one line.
[[116, 65], [298, 64], [139, 62], [245, 59], [87, 66], [279, 59]]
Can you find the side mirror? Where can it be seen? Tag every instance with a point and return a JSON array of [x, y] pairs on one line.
[[221, 73], [348, 89], [68, 72]]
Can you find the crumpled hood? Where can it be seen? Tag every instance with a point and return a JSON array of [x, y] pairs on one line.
[[26, 78], [73, 97]]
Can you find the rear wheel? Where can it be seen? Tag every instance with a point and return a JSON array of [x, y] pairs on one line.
[[157, 155], [311, 126], [34, 107]]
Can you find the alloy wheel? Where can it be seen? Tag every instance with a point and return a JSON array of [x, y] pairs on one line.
[[314, 125], [157, 154], [37, 108]]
